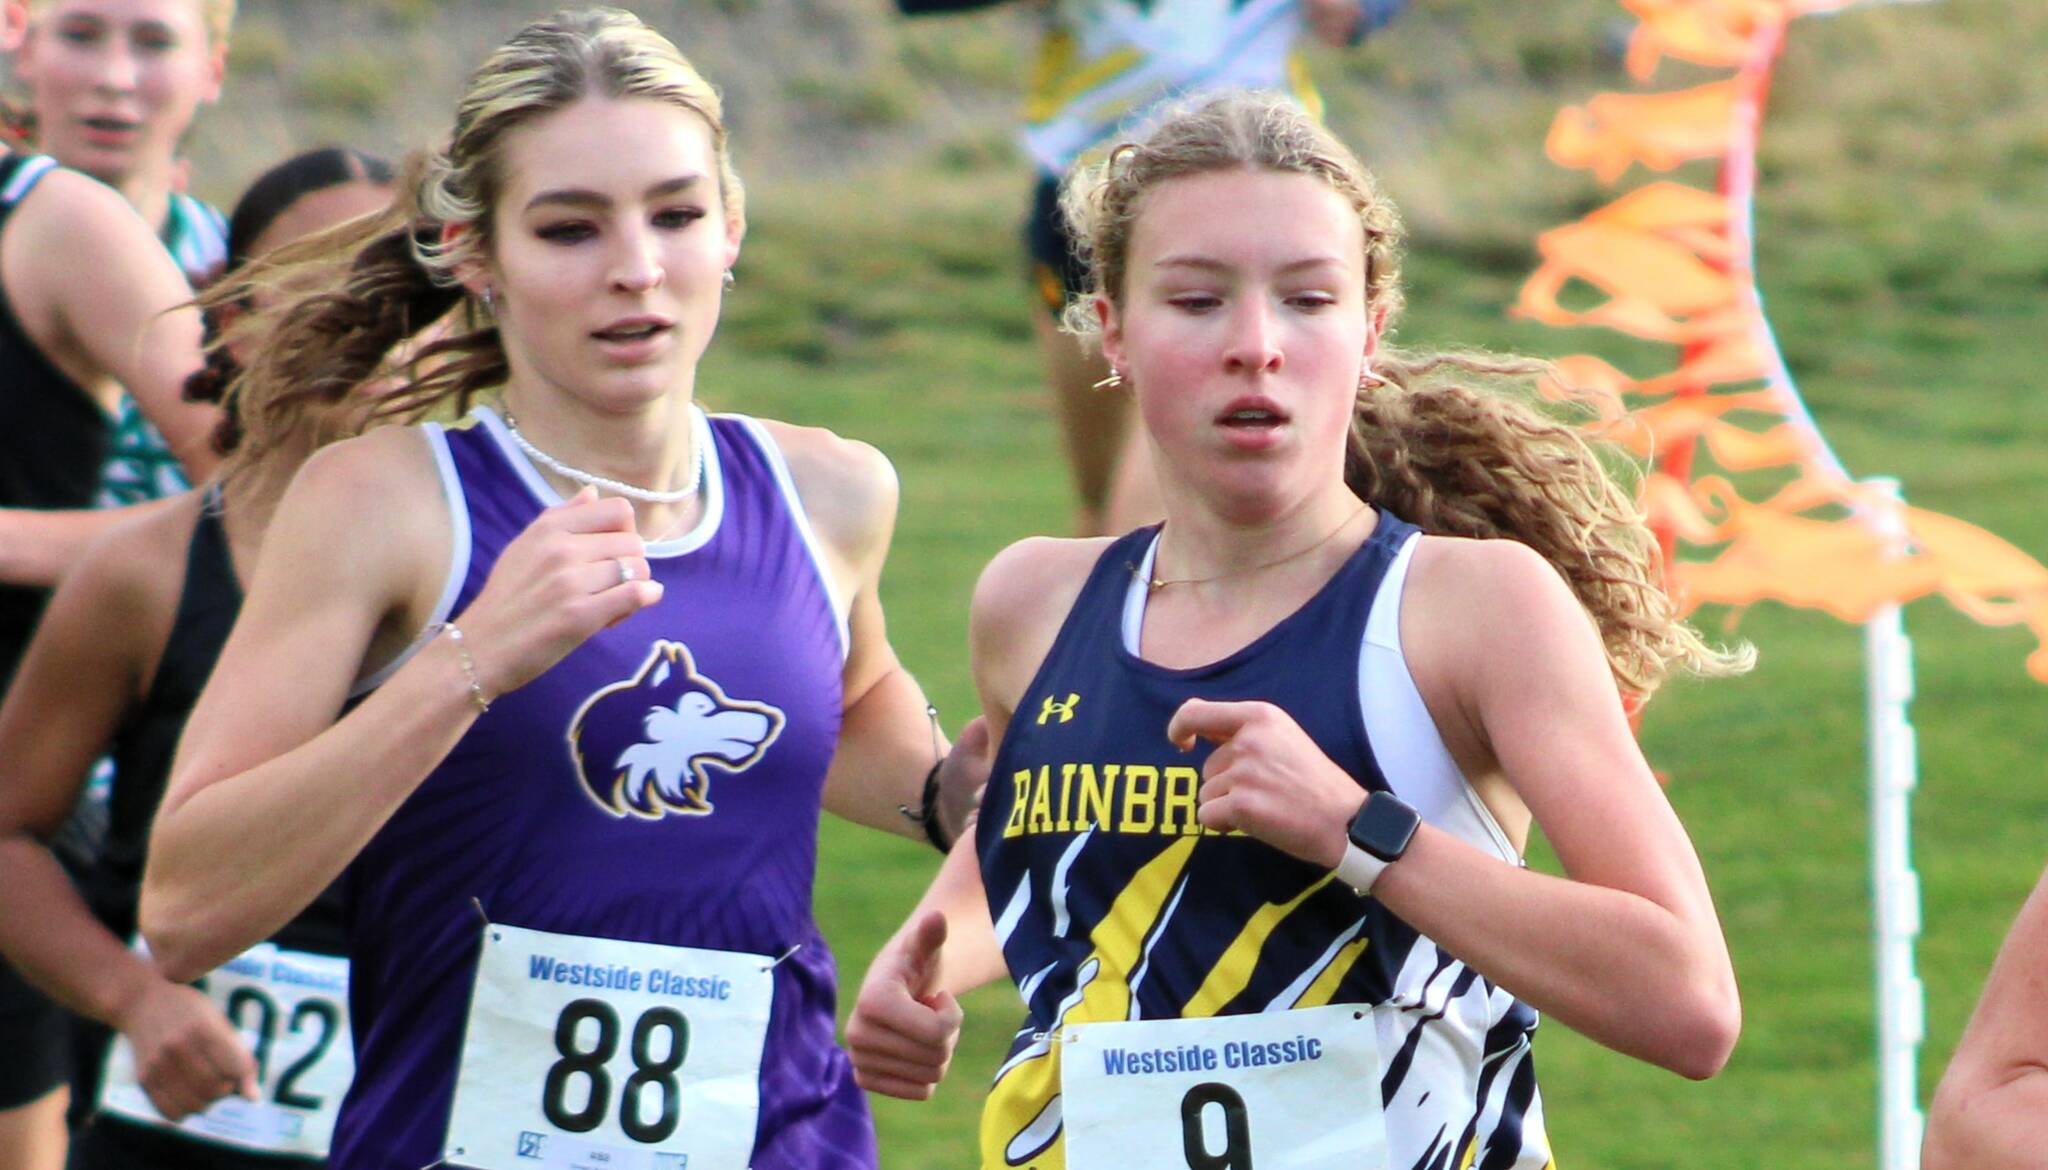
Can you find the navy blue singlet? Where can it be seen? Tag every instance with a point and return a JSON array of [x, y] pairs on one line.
[[1112, 903]]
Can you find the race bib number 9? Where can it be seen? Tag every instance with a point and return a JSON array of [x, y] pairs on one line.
[[585, 1052], [292, 1011], [1295, 1090]]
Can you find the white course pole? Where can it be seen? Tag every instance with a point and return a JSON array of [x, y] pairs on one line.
[[1895, 888]]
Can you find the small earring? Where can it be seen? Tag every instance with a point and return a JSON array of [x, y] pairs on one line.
[[1115, 381], [1369, 381], [730, 279], [490, 303]]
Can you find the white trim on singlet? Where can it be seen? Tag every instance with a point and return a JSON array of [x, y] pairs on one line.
[[842, 607], [1410, 752], [1013, 913], [544, 492], [1135, 597], [33, 168], [458, 559], [1403, 736]]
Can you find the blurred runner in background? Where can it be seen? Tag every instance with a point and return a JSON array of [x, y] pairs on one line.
[[129, 639], [1104, 66]]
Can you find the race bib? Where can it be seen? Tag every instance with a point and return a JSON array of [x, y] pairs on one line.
[[291, 1008], [1296, 1090], [607, 1055]]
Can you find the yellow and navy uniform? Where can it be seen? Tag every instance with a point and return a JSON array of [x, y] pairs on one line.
[[1113, 903], [1103, 66], [1103, 63]]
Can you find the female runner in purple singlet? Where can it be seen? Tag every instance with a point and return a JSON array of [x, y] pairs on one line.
[[563, 688]]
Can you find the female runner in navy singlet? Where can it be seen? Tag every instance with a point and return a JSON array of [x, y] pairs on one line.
[[563, 689], [1252, 838], [115, 665]]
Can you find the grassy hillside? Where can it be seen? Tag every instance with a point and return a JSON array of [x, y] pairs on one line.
[[1905, 258]]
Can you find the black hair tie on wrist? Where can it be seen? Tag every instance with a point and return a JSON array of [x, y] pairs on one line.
[[928, 812]]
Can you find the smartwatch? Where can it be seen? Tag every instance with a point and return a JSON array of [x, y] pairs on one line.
[[1379, 835]]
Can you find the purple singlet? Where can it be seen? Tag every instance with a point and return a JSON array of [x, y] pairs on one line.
[[661, 784]]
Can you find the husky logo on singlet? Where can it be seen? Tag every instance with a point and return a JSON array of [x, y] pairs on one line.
[[646, 747]]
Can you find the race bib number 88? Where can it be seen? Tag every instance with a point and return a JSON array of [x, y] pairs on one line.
[[601, 1053], [1295, 1090]]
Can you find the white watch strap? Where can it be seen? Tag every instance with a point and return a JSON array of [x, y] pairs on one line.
[[1359, 869]]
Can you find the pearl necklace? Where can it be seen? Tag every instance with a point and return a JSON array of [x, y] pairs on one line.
[[615, 487]]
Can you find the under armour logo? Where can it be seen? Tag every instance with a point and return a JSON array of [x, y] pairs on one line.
[[1055, 707]]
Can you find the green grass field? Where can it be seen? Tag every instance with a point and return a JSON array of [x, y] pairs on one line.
[[1905, 257], [1907, 270]]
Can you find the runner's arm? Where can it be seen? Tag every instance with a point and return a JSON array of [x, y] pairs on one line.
[[1625, 948], [81, 676], [120, 299], [888, 742], [266, 776], [1020, 601], [270, 796], [37, 547], [1987, 1111], [75, 684], [906, 1016]]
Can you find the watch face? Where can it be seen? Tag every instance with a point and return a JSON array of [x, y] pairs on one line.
[[1384, 826]]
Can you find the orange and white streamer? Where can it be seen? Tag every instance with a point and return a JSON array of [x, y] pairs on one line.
[[1672, 263]]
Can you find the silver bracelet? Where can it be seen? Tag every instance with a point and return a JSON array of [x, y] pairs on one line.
[[476, 687]]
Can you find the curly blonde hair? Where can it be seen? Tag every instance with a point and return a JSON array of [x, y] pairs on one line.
[[349, 298], [1453, 459]]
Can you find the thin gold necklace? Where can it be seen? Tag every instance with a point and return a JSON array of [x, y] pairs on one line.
[[1159, 583]]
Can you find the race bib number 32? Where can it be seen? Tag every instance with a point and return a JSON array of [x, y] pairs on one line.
[[584, 1052], [1295, 1090]]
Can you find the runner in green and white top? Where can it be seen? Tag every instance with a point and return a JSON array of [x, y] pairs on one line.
[[112, 89], [140, 465]]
